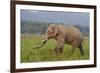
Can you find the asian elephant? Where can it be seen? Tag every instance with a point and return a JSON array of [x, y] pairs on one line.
[[64, 35]]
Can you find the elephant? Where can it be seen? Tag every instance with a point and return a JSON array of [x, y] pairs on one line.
[[70, 35]]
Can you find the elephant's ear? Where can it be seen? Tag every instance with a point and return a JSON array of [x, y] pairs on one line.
[[55, 30]]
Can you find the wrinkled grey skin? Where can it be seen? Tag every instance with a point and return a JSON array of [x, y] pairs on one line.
[[64, 35]]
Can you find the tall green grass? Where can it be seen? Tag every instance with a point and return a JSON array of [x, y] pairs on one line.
[[46, 53]]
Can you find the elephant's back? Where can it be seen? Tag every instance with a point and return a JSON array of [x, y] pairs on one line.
[[72, 30], [69, 30], [73, 34]]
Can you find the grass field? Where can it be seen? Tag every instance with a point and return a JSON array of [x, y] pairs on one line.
[[46, 53]]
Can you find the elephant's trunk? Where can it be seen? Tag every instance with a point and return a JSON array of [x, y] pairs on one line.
[[39, 46]]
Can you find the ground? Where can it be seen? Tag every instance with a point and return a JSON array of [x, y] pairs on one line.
[[46, 53]]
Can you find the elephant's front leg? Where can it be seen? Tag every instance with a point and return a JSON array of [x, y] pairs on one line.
[[59, 48]]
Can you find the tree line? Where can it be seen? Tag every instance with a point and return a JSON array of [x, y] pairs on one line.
[[35, 27]]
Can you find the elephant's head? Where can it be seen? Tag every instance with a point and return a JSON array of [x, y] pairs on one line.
[[51, 31]]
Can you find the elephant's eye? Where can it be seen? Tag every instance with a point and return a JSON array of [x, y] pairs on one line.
[[49, 31]]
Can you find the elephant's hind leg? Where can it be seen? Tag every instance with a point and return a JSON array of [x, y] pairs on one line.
[[59, 48], [81, 49], [56, 50]]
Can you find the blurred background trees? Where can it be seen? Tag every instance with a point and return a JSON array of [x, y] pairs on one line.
[[35, 27]]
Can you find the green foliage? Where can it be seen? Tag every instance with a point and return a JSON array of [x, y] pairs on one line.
[[46, 53], [36, 27], [33, 27]]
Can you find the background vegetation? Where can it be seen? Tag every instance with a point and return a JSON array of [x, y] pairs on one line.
[[35, 27]]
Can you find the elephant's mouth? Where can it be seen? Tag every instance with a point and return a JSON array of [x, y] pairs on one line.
[[45, 40]]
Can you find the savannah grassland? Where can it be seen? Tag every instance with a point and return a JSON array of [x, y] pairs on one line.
[[46, 53]]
